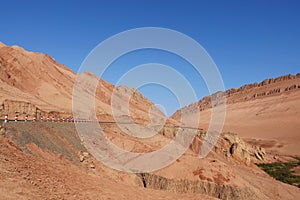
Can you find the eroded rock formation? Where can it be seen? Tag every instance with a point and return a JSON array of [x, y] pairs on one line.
[[268, 87], [153, 181]]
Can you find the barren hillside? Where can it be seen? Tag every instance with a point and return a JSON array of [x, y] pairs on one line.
[[46, 160], [51, 160], [265, 113], [35, 84]]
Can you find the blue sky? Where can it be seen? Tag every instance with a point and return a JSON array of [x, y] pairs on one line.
[[248, 40]]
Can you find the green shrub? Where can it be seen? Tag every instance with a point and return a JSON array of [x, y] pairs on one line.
[[282, 171]]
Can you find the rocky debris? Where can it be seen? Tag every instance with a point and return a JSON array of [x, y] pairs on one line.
[[92, 166], [86, 154], [83, 156], [225, 191]]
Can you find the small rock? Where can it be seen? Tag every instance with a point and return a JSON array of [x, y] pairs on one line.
[[81, 158], [85, 154], [92, 166], [2, 131], [258, 156], [33, 183], [226, 153]]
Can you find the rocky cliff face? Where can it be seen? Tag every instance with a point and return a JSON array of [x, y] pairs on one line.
[[228, 144], [153, 181], [267, 88], [233, 146], [18, 107], [22, 109]]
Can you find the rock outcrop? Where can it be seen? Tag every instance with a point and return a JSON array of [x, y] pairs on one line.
[[153, 181], [228, 144], [240, 150], [22, 109], [268, 87]]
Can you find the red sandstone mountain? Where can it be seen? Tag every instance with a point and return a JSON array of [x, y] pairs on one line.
[[35, 84], [265, 113], [49, 161]]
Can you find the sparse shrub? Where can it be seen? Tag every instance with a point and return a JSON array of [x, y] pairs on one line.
[[282, 171]]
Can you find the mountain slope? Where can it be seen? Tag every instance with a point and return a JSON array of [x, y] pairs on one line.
[[35, 84], [44, 160], [47, 160], [265, 113]]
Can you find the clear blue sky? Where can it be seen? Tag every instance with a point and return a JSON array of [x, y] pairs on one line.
[[248, 40]]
